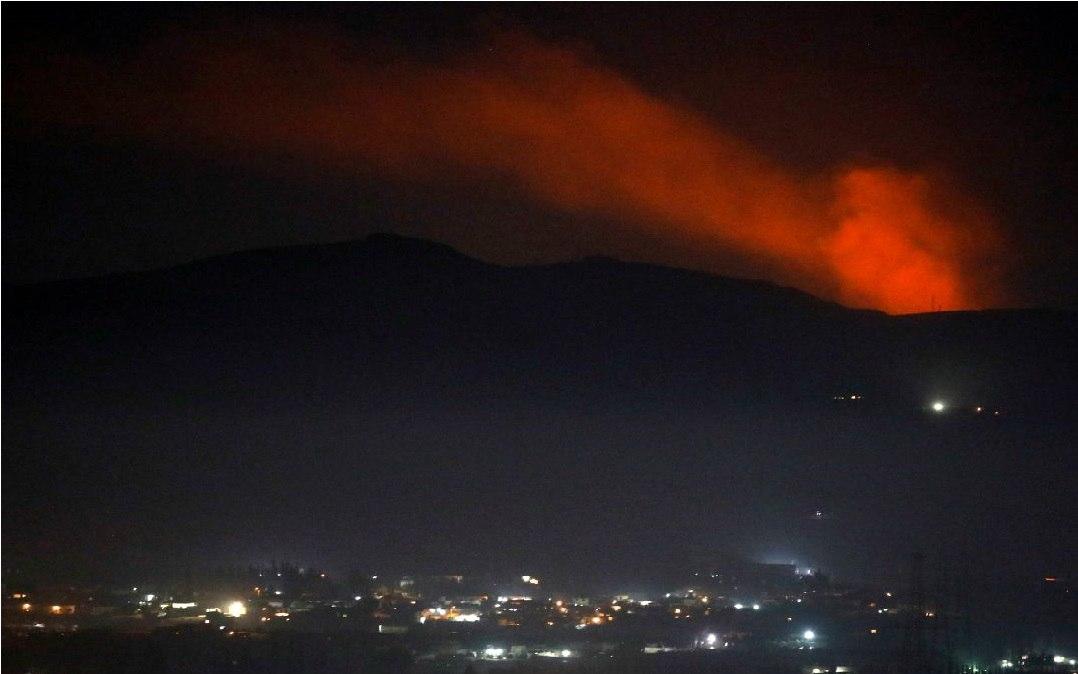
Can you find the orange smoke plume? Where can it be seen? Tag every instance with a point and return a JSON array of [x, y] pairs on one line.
[[567, 131]]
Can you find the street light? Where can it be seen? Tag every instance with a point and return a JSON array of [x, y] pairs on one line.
[[237, 609]]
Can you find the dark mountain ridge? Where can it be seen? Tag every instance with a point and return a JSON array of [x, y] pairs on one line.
[[400, 297], [347, 379]]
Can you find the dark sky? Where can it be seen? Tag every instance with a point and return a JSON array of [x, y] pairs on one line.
[[898, 157]]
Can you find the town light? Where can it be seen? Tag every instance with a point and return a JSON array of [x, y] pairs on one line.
[[237, 609], [808, 635], [939, 406], [711, 639]]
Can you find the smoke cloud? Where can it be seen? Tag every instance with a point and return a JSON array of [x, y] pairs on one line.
[[567, 131]]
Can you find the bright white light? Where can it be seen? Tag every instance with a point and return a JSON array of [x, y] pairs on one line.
[[808, 635], [1059, 659], [755, 607], [938, 406], [711, 639], [492, 652], [739, 606], [237, 609], [566, 652]]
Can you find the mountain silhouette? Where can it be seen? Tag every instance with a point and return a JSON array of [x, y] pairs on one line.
[[392, 402]]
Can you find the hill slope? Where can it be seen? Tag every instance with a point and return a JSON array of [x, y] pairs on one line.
[[301, 402]]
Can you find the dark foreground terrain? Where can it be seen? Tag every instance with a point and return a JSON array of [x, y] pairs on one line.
[[170, 652]]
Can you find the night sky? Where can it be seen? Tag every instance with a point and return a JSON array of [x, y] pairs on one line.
[[390, 403], [905, 159]]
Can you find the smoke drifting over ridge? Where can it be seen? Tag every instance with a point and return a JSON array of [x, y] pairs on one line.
[[569, 132]]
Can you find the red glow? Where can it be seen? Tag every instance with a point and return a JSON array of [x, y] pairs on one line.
[[571, 133]]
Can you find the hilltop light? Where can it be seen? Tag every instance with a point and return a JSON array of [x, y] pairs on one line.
[[939, 406], [808, 635]]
